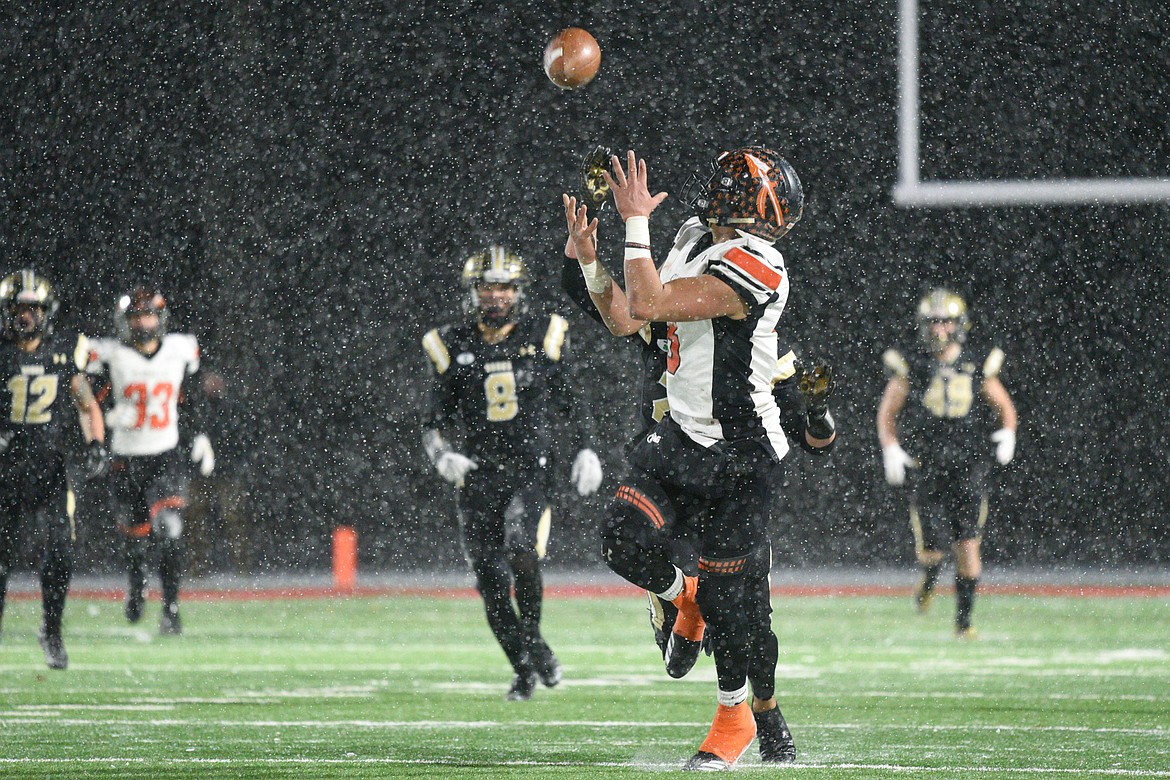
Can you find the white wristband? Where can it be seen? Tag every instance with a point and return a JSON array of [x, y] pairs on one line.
[[597, 279], [637, 238]]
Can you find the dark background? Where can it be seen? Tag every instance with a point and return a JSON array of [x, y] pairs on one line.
[[304, 180]]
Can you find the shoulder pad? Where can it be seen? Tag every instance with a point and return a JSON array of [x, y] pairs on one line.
[[190, 347], [81, 352], [555, 336], [895, 364], [691, 230], [757, 273], [993, 363], [437, 351]]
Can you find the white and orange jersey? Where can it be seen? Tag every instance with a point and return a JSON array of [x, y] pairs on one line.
[[720, 372], [145, 391]]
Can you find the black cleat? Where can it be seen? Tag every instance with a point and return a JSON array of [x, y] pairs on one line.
[[681, 655], [548, 668], [135, 599], [705, 762], [54, 649], [169, 624], [776, 744], [523, 684], [662, 615]]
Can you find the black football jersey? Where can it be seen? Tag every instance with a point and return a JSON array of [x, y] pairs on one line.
[[507, 396], [944, 414], [36, 401]]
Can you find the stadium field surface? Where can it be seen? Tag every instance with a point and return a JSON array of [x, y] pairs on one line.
[[411, 685]]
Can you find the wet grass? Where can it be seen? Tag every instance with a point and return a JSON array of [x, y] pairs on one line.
[[413, 687]]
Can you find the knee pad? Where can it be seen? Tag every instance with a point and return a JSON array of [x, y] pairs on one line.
[[636, 517], [168, 523]]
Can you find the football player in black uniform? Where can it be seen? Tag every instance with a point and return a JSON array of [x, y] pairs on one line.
[[44, 378], [802, 397], [944, 428], [500, 375]]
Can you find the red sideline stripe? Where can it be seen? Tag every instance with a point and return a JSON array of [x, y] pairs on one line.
[[600, 591], [753, 267]]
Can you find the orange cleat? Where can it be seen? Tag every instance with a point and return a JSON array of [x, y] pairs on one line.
[[689, 624], [731, 734]]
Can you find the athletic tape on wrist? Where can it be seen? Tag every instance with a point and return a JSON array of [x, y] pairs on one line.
[[597, 279], [637, 238]]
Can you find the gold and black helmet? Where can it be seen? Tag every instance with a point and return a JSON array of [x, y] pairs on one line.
[[942, 305], [27, 288], [495, 265]]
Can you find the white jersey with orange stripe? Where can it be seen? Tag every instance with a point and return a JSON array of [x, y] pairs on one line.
[[145, 391], [720, 372]]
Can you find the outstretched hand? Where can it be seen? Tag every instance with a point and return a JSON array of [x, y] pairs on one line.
[[631, 194], [582, 243]]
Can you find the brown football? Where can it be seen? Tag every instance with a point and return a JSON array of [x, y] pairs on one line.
[[572, 58]]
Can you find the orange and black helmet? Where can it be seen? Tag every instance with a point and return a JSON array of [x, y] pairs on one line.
[[141, 300], [752, 189]]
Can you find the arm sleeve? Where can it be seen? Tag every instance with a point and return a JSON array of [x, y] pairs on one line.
[[573, 283]]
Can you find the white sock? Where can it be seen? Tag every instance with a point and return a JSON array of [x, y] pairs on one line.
[[671, 593], [732, 698]]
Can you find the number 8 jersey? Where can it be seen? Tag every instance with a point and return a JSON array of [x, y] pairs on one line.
[[145, 391]]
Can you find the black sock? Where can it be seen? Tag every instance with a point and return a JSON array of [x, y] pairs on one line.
[[930, 576], [964, 601], [170, 570]]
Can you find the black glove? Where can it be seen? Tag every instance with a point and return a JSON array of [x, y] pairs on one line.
[[97, 459], [816, 385], [594, 189]]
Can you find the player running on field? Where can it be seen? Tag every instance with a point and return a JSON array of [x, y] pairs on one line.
[[500, 375], [44, 390], [151, 377], [721, 292]]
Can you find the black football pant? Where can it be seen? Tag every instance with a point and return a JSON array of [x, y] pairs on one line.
[[35, 493], [504, 517], [671, 476], [149, 496]]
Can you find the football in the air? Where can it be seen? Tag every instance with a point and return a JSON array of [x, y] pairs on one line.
[[572, 58]]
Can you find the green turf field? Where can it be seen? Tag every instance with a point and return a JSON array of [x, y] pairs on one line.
[[411, 686]]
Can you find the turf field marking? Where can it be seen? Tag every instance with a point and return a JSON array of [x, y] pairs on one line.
[[439, 725], [453, 762]]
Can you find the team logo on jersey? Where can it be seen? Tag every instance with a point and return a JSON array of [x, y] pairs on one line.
[[465, 358], [654, 438], [663, 345]]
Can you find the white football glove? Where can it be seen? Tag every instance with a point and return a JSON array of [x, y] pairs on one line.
[[202, 454], [122, 416], [586, 472], [896, 461], [454, 467], [1005, 445]]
